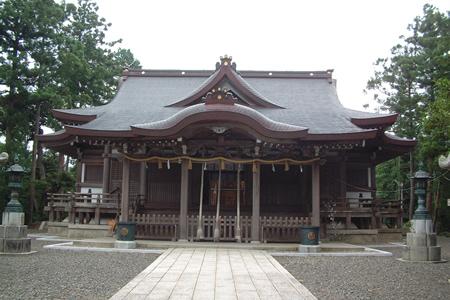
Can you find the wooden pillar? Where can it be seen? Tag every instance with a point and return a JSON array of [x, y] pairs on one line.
[[343, 180], [124, 209], [200, 234], [255, 203], [143, 180], [106, 168], [184, 200], [219, 188], [238, 204], [315, 221]]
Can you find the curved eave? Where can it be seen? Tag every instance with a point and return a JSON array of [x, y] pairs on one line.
[[67, 117], [383, 121], [98, 133], [211, 117], [347, 136], [53, 137], [59, 141], [399, 142], [230, 74]]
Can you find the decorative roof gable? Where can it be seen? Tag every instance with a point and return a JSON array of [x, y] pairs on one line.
[[226, 78]]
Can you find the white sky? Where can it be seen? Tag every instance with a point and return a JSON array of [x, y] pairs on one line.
[[347, 36]]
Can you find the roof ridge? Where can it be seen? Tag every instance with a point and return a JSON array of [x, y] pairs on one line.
[[317, 74]]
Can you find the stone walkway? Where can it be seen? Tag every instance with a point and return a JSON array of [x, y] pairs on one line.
[[184, 273]]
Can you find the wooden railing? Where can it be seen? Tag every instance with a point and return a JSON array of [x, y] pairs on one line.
[[81, 207], [155, 226], [166, 226], [227, 228], [373, 211], [282, 229], [354, 204]]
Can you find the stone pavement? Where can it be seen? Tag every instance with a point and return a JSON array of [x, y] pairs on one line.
[[184, 273]]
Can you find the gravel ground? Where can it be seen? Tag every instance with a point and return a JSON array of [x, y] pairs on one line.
[[56, 274], [372, 277]]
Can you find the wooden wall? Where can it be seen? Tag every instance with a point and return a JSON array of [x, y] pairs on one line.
[[285, 191], [282, 192], [163, 187]]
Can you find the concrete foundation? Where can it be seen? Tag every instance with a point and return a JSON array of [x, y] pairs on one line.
[[58, 228], [125, 244], [86, 231], [309, 248], [366, 236]]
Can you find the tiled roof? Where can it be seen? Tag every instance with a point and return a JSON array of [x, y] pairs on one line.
[[307, 100]]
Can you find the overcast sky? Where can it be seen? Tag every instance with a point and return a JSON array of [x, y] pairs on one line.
[[347, 36]]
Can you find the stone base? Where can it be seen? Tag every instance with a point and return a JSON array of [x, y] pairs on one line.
[[309, 248], [434, 253], [13, 218], [422, 247], [58, 228], [86, 231], [422, 226], [43, 226], [15, 245], [13, 239], [125, 244], [13, 231]]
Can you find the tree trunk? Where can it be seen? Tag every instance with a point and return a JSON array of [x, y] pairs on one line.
[[61, 164], [411, 186], [437, 205], [40, 164], [429, 199], [33, 201]]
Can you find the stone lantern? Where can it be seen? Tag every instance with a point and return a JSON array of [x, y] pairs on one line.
[[421, 241], [422, 222], [13, 232], [15, 173]]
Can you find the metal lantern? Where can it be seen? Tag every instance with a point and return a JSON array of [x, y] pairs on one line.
[[421, 178], [15, 173], [15, 183]]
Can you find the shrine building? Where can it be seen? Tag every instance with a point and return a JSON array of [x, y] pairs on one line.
[[225, 155]]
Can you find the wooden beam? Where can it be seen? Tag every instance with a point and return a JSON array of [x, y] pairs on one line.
[[256, 202], [124, 209], [315, 220], [184, 200]]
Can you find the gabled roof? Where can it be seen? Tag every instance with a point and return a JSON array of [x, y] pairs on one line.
[[226, 73], [301, 105]]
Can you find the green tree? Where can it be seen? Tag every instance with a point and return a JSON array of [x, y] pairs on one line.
[[413, 82], [27, 54], [52, 55]]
